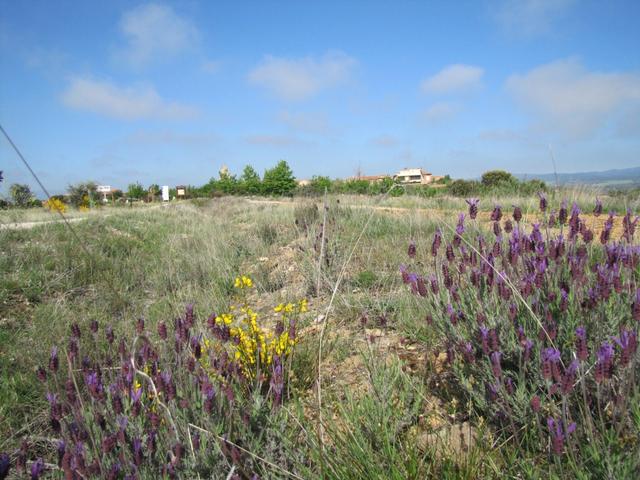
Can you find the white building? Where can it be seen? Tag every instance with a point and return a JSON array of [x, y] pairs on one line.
[[413, 176]]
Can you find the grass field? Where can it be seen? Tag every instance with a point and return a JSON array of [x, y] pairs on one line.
[[374, 382]]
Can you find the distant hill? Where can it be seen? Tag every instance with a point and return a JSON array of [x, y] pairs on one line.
[[618, 178]]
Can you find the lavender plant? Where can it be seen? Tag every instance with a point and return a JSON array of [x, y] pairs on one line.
[[198, 399], [540, 326]]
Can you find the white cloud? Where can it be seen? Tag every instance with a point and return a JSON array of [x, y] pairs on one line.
[[453, 78], [154, 32], [564, 95], [305, 121], [530, 17], [128, 103], [298, 79], [440, 111]]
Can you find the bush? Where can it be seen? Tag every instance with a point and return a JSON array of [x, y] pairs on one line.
[[463, 188], [21, 195], [540, 333], [279, 180], [496, 178]]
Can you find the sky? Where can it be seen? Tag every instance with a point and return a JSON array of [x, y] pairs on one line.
[[169, 92]]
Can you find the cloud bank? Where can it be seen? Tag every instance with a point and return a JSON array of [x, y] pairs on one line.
[[125, 103], [299, 79], [453, 78]]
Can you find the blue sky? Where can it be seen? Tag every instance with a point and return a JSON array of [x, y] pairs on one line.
[[168, 92]]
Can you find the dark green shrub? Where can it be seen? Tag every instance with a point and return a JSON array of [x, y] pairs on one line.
[[463, 188]]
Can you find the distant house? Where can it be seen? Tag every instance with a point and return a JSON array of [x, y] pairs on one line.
[[414, 176], [303, 182], [108, 192], [373, 178]]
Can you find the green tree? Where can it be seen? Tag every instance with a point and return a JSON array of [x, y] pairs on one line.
[[496, 178], [279, 180], [82, 194], [227, 184], [136, 190], [318, 184], [250, 181], [154, 191], [21, 195]]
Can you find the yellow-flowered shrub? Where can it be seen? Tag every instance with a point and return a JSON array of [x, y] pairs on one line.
[[253, 345], [55, 205]]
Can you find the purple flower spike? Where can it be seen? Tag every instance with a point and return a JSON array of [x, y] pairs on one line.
[[495, 364], [581, 344], [53, 360], [559, 434], [543, 201], [473, 207], [5, 461], [635, 308], [496, 214], [411, 251], [37, 468], [604, 364], [628, 342], [550, 359], [597, 211], [517, 213], [437, 241]]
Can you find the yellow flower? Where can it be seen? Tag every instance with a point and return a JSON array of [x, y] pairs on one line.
[[279, 308]]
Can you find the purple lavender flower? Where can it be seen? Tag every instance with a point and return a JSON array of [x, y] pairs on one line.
[[597, 211], [581, 343], [484, 339], [94, 384], [496, 214], [5, 461], [629, 226], [495, 364], [604, 364], [473, 207], [559, 434], [517, 213], [437, 240], [411, 251], [543, 201], [496, 229], [137, 451], [563, 214], [492, 391], [37, 468], [140, 326], [628, 343], [109, 334], [53, 360], [421, 286], [93, 326], [535, 403], [635, 308], [605, 234], [508, 226], [569, 378], [550, 359]]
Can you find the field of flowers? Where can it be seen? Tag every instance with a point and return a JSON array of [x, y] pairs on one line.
[[351, 339]]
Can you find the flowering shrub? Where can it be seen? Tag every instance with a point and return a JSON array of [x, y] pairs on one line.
[[55, 205], [540, 328], [180, 407]]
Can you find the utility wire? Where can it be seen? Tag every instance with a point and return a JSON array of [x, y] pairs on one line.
[[64, 218]]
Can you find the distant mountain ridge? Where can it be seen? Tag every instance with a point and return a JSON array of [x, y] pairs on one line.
[[615, 178]]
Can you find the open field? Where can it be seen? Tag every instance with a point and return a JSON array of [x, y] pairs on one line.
[[381, 379]]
